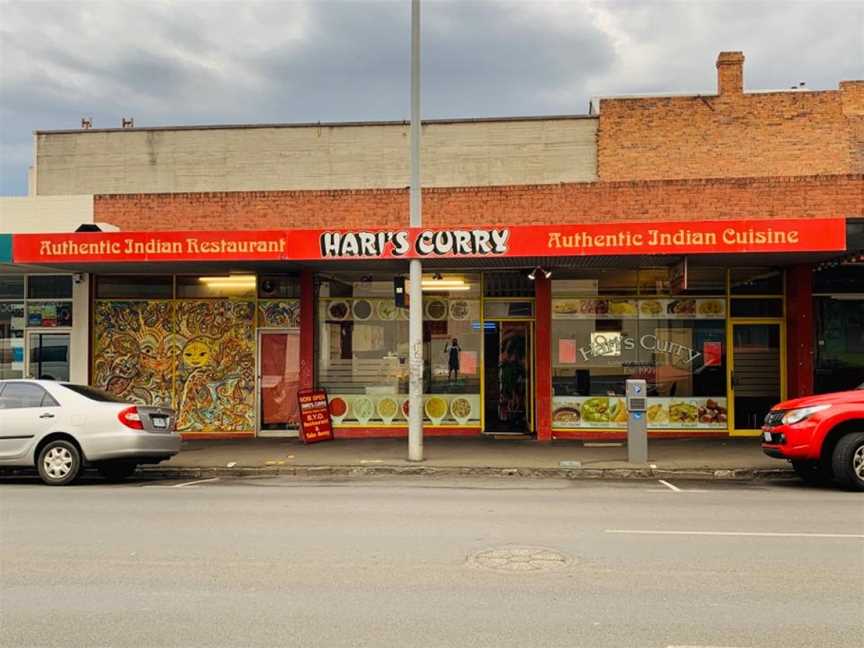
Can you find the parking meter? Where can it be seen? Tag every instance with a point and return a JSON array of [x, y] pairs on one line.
[[637, 421]]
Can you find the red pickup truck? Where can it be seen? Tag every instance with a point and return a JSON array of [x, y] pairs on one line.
[[822, 436]]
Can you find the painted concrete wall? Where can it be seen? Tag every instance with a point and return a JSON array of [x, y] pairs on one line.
[[477, 153], [44, 213]]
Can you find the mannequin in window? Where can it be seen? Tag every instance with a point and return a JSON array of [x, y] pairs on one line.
[[452, 350]]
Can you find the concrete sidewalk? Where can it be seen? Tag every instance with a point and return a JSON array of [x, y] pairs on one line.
[[739, 458]]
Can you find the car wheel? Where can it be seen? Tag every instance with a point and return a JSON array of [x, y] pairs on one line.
[[812, 472], [117, 470], [59, 463], [848, 461]]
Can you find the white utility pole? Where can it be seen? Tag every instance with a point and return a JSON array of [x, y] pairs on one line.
[[415, 295]]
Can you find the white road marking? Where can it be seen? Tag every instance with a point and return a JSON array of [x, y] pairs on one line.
[[668, 485], [192, 483], [746, 534]]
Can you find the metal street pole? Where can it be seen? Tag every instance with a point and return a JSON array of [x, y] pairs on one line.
[[415, 295]]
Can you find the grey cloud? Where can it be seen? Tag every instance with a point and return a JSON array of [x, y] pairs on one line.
[[227, 62]]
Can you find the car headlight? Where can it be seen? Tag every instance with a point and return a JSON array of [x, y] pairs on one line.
[[797, 415]]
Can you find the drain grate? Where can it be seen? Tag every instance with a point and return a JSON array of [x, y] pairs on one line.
[[519, 558]]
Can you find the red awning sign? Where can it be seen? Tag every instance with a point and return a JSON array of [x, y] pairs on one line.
[[606, 239]]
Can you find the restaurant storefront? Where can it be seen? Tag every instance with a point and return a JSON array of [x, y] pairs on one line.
[[526, 330]]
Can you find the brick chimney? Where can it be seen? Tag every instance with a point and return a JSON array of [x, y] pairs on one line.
[[730, 73]]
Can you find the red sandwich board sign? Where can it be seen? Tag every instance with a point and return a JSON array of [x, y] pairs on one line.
[[315, 424]]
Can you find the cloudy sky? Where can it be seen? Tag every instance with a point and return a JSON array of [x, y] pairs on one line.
[[195, 62]]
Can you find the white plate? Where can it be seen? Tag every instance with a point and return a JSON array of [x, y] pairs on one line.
[[331, 315], [460, 304], [461, 419], [444, 311], [363, 408], [359, 317], [386, 310]]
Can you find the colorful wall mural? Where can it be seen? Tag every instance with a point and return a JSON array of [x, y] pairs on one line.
[[215, 381], [133, 350], [283, 313], [197, 356]]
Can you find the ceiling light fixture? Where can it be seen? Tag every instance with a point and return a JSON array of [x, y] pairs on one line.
[[229, 279]]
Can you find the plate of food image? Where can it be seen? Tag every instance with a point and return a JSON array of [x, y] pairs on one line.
[[436, 309], [650, 307], [387, 409], [657, 414], [386, 310], [617, 410], [436, 409], [338, 409], [686, 307], [562, 307], [713, 412], [459, 310], [460, 408], [567, 415], [622, 307], [363, 409], [596, 410], [683, 412], [338, 310], [711, 307], [362, 309]]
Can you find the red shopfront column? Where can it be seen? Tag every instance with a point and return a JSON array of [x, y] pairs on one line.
[[799, 330], [307, 329], [543, 356]]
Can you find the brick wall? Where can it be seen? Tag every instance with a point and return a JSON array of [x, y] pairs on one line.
[[732, 134], [791, 197]]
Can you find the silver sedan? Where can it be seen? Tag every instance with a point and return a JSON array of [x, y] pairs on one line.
[[59, 428]]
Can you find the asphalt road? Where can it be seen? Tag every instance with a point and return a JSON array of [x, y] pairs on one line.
[[426, 562]]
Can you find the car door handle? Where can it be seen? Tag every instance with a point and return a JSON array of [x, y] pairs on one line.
[[46, 415]]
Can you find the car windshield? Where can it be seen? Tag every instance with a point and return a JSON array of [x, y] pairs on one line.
[[94, 394]]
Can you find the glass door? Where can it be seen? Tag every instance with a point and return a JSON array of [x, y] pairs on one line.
[[507, 376], [756, 373], [279, 362], [47, 355]]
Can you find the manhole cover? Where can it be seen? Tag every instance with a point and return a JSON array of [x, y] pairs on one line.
[[519, 559]]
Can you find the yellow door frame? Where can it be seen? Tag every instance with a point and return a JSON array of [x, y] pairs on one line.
[[730, 366]]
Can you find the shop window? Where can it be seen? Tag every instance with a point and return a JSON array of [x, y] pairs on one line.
[[278, 287], [49, 314], [508, 309], [676, 345], [49, 286], [594, 281], [756, 281], [508, 284], [842, 279], [362, 349], [134, 287], [12, 325], [12, 287], [839, 361], [215, 286], [756, 307], [654, 281], [700, 281]]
